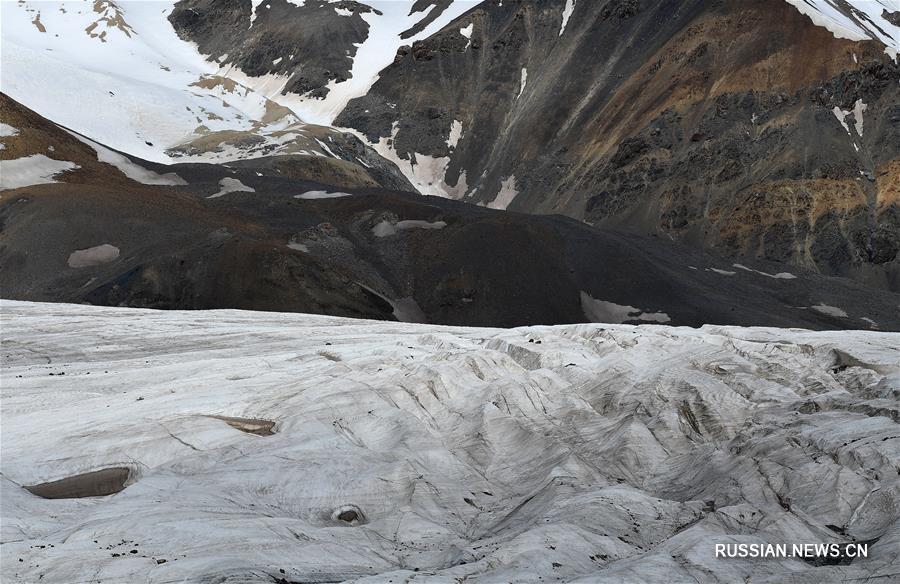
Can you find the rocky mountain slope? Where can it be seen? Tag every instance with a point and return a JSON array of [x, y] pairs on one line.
[[251, 447], [84, 223], [313, 55], [648, 135], [758, 129], [740, 126]]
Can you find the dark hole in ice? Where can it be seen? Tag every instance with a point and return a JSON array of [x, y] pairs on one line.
[[348, 516], [98, 483]]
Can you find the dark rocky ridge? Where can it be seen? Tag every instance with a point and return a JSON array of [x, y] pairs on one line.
[[892, 17], [354, 256], [436, 7], [709, 122], [311, 43]]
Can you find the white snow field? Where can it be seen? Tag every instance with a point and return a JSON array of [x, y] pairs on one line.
[[118, 73], [267, 447]]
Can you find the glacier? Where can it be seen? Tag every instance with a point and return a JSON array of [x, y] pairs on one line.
[[267, 447]]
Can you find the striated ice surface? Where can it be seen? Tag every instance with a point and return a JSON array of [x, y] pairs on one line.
[[266, 447]]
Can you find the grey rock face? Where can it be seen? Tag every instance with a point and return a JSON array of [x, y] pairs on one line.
[[312, 43], [699, 120]]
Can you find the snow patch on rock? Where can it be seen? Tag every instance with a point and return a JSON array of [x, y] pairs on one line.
[[721, 272], [610, 312], [93, 256], [130, 169], [506, 194], [6, 131], [387, 228], [456, 132], [311, 195], [426, 173], [872, 323], [567, 13], [829, 310], [778, 276], [858, 108], [36, 169], [466, 31], [841, 117], [231, 185]]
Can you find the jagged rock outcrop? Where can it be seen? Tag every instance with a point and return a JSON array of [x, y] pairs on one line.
[[277, 37]]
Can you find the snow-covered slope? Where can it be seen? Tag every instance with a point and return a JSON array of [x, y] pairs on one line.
[[287, 448], [120, 75]]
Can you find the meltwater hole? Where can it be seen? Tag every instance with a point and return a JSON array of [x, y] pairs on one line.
[[98, 483]]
